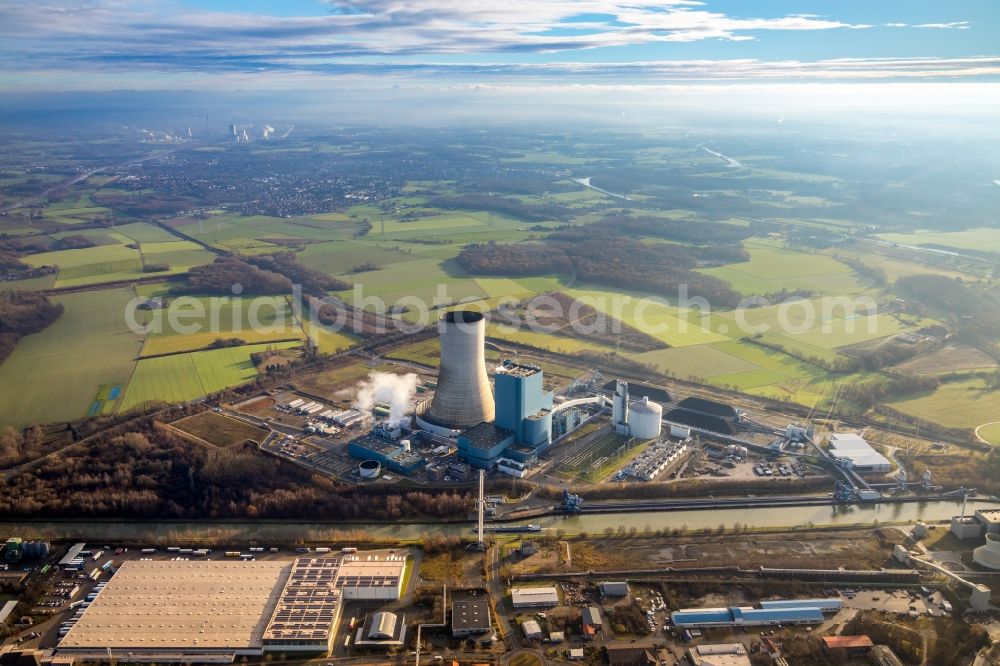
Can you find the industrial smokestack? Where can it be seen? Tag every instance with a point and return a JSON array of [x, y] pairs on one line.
[[463, 397]]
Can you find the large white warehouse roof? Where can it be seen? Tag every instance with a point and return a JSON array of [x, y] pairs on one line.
[[854, 447]]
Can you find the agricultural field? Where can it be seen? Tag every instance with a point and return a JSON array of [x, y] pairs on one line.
[[964, 404], [979, 240], [120, 254], [58, 374], [953, 357], [218, 429], [184, 377], [204, 319], [772, 269]]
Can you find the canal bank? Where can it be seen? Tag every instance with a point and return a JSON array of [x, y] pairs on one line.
[[764, 518]]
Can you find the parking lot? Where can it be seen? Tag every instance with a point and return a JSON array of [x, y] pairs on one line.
[[897, 602]]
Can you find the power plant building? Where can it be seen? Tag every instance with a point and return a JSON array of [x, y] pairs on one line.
[[392, 455], [522, 429]]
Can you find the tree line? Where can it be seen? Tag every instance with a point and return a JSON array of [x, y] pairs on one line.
[[614, 261], [23, 313], [261, 274]]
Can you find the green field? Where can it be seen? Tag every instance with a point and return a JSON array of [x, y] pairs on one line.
[[188, 376], [113, 260], [982, 240], [991, 433], [956, 405], [56, 375], [771, 270], [203, 319], [651, 315]]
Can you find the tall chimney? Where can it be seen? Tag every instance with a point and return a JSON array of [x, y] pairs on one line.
[[463, 397]]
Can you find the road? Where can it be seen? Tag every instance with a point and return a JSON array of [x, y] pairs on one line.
[[495, 582]]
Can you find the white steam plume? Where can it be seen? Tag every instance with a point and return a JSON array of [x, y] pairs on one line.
[[396, 390]]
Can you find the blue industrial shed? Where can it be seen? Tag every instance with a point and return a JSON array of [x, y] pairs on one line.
[[745, 617]]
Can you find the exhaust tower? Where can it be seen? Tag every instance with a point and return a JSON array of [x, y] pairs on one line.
[[463, 397]]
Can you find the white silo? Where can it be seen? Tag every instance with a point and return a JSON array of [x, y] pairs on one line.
[[645, 419], [463, 397]]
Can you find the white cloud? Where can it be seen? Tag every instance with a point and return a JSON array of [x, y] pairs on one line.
[[954, 25]]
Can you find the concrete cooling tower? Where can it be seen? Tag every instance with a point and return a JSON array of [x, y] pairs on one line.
[[463, 397]]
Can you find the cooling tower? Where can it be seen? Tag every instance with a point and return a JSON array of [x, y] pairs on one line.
[[463, 397]]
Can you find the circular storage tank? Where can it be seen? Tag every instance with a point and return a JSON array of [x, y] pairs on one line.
[[988, 555], [370, 469], [645, 419]]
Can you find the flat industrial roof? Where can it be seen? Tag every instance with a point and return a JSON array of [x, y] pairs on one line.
[[486, 435], [470, 614], [169, 605], [517, 369], [534, 595], [371, 573], [72, 553], [309, 602], [850, 445], [7, 609], [803, 603]]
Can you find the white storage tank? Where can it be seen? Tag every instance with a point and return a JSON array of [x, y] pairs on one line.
[[370, 469], [645, 419]]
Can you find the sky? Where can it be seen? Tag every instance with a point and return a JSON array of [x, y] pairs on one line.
[[263, 44]]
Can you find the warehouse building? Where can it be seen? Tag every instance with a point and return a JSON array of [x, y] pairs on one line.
[[532, 630], [720, 654], [745, 616], [534, 597], [832, 605], [382, 629], [592, 623], [613, 588], [853, 451], [470, 617], [209, 610]]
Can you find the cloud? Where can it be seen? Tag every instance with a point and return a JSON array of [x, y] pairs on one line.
[[123, 29], [422, 38], [954, 25]]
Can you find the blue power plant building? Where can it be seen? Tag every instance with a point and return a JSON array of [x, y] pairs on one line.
[[523, 427]]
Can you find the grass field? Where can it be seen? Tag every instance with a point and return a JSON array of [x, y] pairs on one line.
[[112, 259], [772, 269], [956, 405], [185, 377], [56, 375], [951, 358], [209, 318], [219, 429], [991, 433], [983, 240], [655, 316]]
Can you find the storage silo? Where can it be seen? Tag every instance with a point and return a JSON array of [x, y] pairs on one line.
[[463, 397], [645, 419]]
